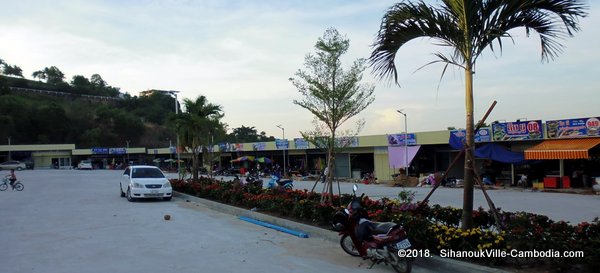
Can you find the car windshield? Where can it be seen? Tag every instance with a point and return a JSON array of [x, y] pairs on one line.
[[146, 173]]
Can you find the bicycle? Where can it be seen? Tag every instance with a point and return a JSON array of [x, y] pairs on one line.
[[16, 186]]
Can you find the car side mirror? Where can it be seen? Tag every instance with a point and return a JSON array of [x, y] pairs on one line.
[[126, 175]]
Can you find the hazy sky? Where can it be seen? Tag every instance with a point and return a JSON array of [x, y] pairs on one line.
[[240, 54]]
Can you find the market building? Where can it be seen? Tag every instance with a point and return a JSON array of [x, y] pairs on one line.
[[559, 153]]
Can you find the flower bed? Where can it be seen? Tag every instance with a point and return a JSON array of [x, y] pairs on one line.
[[430, 227]]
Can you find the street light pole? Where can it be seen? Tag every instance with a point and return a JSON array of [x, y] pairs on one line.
[[406, 164], [127, 151], [9, 158], [283, 131], [174, 93]]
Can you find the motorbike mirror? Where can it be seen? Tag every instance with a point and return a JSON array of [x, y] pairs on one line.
[[347, 211], [354, 188]]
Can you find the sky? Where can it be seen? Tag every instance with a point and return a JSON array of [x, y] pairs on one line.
[[241, 54]]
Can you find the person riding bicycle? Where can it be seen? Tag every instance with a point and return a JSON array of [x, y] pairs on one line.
[[12, 178]]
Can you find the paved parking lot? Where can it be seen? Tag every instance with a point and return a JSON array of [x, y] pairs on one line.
[[75, 221]]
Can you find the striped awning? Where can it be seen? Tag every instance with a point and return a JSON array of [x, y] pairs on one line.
[[562, 149]]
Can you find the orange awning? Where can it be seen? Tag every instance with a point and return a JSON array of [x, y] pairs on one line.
[[562, 149]]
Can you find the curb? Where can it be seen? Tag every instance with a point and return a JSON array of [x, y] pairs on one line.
[[434, 263]]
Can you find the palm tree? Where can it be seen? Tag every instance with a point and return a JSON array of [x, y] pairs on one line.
[[194, 125], [467, 28]]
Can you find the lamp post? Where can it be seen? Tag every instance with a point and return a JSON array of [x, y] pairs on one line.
[[405, 142], [127, 151], [170, 154], [283, 131], [174, 93], [9, 158]]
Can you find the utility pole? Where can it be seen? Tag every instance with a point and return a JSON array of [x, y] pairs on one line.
[[9, 158], [284, 147], [406, 164]]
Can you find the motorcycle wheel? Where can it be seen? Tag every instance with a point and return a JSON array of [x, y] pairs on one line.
[[348, 246], [399, 264]]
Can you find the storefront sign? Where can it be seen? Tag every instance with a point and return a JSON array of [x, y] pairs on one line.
[[300, 143], [520, 130], [98, 151], [224, 147], [398, 139], [281, 144], [117, 151], [570, 128], [261, 146], [347, 142], [483, 135]]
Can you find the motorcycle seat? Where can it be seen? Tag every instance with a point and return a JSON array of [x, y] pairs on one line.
[[382, 227]]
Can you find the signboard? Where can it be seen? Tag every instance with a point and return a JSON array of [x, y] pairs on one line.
[[398, 140], [520, 130], [224, 147], [261, 146], [300, 143], [281, 144], [570, 128], [117, 151], [483, 135], [347, 142], [99, 151], [237, 147]]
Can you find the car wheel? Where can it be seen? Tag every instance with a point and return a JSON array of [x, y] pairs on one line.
[[121, 190], [19, 169], [129, 197], [167, 198]]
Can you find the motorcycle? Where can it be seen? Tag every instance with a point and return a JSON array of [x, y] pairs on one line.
[[277, 182], [254, 179], [379, 242]]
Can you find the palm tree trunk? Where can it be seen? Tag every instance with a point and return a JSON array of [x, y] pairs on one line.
[[467, 213]]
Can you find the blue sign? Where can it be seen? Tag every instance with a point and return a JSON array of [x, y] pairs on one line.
[[99, 151], [281, 144], [483, 135], [260, 146], [300, 143], [398, 140], [117, 151], [347, 142], [520, 130], [569, 128]]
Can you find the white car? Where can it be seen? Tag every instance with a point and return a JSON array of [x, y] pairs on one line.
[[145, 182], [85, 165]]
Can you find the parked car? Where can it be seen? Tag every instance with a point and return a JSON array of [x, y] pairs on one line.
[[145, 182], [13, 165], [85, 165]]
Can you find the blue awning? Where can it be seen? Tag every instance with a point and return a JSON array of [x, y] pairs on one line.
[[492, 151]]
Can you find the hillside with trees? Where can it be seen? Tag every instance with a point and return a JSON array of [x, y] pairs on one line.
[[91, 113]]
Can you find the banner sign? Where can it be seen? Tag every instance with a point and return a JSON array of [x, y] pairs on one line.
[[347, 142], [97, 151], [520, 130], [281, 144], [300, 143], [261, 146], [237, 147], [117, 151], [569, 128], [224, 147], [398, 140], [483, 135]]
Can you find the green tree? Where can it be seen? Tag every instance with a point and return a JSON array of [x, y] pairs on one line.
[[245, 134], [52, 75], [330, 93], [467, 28], [194, 126], [12, 70]]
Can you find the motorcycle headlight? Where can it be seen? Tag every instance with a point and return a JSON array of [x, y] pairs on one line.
[[138, 185]]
